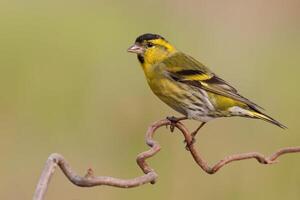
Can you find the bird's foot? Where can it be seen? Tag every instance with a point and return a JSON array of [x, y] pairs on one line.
[[187, 145], [174, 121]]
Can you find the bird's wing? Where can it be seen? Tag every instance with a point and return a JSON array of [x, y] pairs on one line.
[[185, 69]]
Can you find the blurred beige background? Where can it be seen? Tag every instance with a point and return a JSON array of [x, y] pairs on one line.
[[67, 85]]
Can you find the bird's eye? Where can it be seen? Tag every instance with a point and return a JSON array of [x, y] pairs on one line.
[[149, 44]]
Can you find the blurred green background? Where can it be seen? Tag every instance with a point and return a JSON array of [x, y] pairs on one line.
[[69, 86]]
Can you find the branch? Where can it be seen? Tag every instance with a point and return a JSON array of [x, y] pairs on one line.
[[89, 180], [228, 159]]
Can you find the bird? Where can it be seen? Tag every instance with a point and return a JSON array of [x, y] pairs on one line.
[[188, 86]]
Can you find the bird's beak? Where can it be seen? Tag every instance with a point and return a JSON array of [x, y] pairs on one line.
[[136, 48]]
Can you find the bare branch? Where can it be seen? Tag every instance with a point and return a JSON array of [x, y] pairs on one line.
[[235, 157], [89, 180]]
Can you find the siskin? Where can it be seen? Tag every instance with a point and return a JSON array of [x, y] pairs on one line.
[[188, 86]]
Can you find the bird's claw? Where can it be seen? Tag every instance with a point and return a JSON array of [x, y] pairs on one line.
[[173, 121], [172, 127], [187, 145]]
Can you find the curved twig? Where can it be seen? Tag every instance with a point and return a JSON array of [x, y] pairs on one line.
[[89, 180], [228, 159]]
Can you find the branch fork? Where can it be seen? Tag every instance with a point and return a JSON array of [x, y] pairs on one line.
[[150, 176]]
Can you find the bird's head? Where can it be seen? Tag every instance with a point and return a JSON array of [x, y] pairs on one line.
[[151, 49]]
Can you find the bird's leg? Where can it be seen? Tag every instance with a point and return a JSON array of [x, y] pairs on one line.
[[193, 134], [174, 120]]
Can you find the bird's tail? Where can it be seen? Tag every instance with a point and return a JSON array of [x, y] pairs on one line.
[[259, 115]]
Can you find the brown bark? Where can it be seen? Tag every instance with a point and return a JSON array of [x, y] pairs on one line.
[[150, 176]]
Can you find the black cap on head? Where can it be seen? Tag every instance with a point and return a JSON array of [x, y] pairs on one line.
[[148, 36]]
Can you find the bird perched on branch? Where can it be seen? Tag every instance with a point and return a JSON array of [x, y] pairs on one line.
[[188, 86]]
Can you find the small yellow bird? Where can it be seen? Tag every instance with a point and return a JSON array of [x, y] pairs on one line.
[[188, 86]]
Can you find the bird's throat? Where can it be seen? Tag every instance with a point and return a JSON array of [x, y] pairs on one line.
[[141, 59]]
